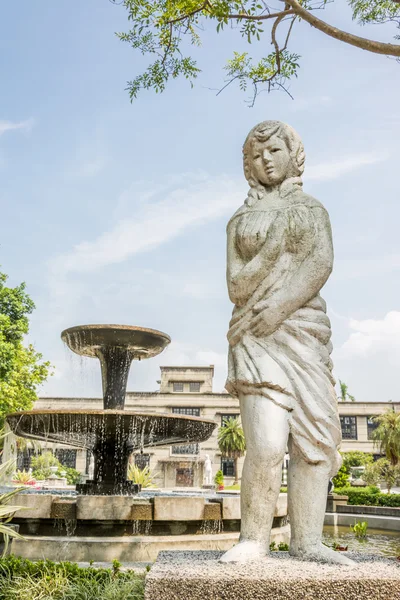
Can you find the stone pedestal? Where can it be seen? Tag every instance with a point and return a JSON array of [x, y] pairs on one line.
[[199, 576], [334, 500]]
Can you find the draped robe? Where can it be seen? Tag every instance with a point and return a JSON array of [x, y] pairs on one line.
[[292, 366]]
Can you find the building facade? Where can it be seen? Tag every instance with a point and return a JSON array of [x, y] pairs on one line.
[[189, 391]]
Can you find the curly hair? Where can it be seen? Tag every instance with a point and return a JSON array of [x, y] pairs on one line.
[[261, 133]]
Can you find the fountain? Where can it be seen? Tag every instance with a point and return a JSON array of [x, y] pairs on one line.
[[111, 434]]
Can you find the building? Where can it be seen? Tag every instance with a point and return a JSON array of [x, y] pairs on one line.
[[189, 391]]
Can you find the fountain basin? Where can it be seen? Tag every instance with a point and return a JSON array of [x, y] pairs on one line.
[[112, 436], [90, 340], [85, 428]]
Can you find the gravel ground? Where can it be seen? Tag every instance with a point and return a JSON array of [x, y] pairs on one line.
[[199, 576]]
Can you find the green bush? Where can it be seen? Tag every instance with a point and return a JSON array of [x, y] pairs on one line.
[[219, 478], [41, 464], [355, 458], [389, 500], [21, 579], [341, 479], [369, 496]]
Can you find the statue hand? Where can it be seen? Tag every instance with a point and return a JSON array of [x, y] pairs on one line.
[[257, 308], [263, 325]]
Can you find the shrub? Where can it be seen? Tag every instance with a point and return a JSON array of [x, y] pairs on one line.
[[21, 579], [72, 475], [367, 496], [219, 478], [389, 500], [341, 479], [41, 464], [383, 469]]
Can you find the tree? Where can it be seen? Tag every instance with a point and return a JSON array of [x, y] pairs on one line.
[[384, 470], [231, 441], [354, 458], [160, 29], [344, 394], [387, 435], [22, 369]]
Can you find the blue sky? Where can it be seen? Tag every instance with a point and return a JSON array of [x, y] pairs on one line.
[[113, 212]]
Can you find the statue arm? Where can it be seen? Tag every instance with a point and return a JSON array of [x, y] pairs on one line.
[[244, 278], [305, 282]]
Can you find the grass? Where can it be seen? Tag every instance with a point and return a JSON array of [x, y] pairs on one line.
[[21, 579]]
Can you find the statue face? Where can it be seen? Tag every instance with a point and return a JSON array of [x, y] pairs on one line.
[[271, 161]]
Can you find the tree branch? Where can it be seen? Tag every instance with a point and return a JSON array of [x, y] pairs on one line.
[[343, 36], [280, 14]]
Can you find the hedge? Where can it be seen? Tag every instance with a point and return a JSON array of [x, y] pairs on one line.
[[368, 496]]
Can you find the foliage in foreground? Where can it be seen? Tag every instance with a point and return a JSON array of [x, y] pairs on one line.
[[21, 579], [22, 369], [163, 30]]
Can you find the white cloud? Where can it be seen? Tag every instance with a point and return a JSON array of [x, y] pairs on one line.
[[336, 168], [199, 198], [373, 336], [10, 126], [163, 211]]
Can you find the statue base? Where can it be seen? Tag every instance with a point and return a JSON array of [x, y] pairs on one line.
[[199, 576]]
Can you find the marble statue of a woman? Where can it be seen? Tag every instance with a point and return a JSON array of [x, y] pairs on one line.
[[279, 257]]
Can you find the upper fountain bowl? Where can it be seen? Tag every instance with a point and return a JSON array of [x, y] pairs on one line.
[[140, 342]]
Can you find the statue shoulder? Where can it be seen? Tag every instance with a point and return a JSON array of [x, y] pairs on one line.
[[240, 211], [300, 197]]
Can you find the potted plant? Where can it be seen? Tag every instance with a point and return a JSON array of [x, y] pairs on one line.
[[219, 480]]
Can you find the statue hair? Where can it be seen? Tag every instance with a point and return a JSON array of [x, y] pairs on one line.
[[261, 133]]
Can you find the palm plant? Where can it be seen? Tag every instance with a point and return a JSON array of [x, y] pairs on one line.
[[387, 435], [231, 441], [144, 477], [344, 393], [7, 512]]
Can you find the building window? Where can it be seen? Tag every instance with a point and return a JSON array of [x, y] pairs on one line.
[[349, 428], [186, 449], [225, 417], [184, 410], [177, 386], [194, 386], [142, 461], [24, 459], [184, 477], [228, 467], [66, 456], [371, 426]]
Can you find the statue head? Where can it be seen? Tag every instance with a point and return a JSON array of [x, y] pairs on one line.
[[273, 156]]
